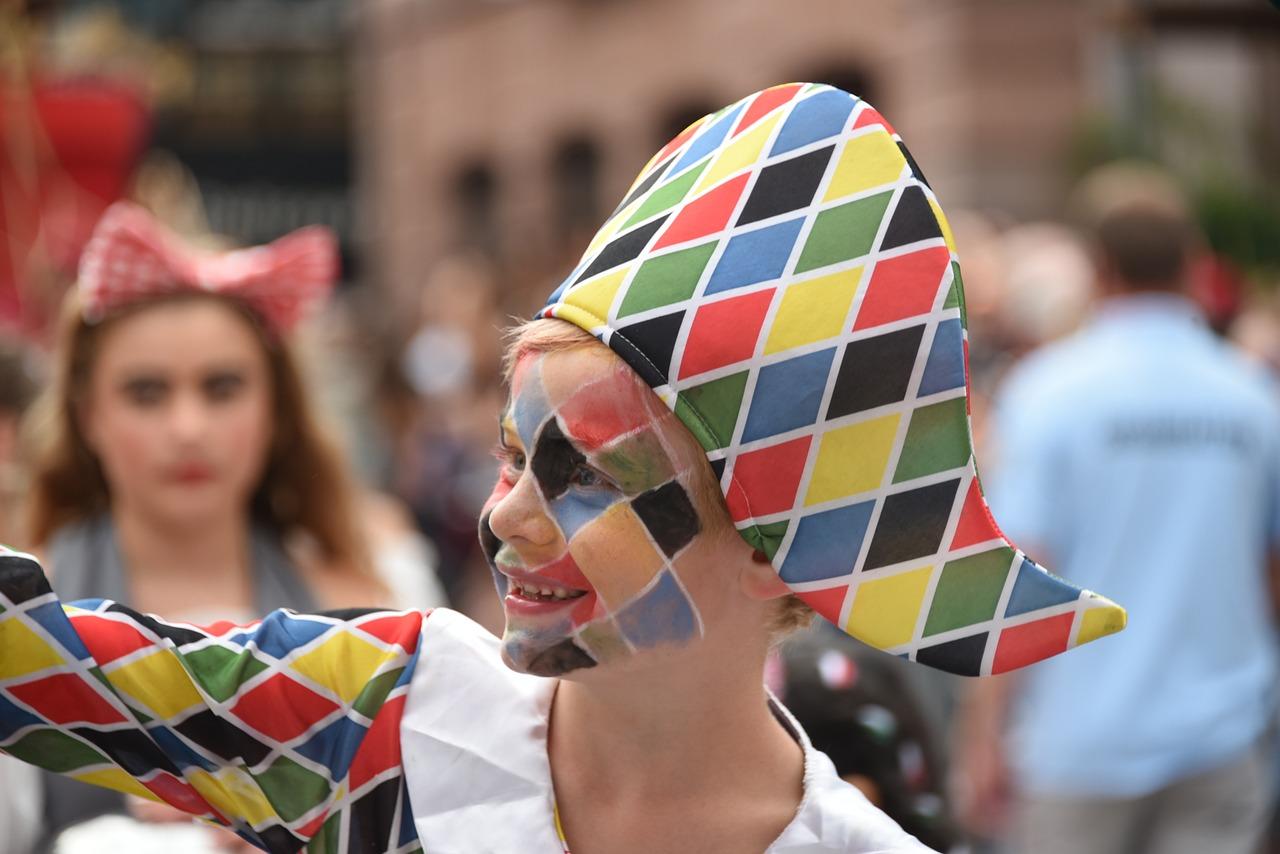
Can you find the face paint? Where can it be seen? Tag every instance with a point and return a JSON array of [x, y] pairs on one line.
[[585, 533]]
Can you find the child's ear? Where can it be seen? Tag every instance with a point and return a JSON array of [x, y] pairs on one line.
[[760, 581]]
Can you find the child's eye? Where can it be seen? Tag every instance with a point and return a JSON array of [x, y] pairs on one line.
[[584, 475], [512, 460]]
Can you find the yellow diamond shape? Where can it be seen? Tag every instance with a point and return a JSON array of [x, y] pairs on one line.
[[232, 792], [114, 778], [344, 663], [739, 154], [852, 459], [813, 310], [868, 161], [596, 296], [159, 682], [885, 610], [25, 651], [1104, 618], [942, 221]]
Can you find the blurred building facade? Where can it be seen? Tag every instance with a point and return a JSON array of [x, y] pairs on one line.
[[512, 126]]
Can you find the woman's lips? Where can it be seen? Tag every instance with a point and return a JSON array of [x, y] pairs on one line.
[[191, 473]]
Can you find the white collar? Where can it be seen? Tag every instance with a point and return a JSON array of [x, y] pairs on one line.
[[474, 747]]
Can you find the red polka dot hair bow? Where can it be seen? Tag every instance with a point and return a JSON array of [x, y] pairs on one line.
[[132, 257]]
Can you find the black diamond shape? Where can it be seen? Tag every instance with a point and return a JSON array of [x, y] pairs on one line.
[[668, 515], [21, 579], [130, 749], [623, 249], [374, 814], [554, 460], [278, 840], [913, 220], [222, 738], [645, 186], [786, 186], [652, 343], [962, 656], [875, 371], [717, 466], [915, 168], [911, 524], [179, 636]]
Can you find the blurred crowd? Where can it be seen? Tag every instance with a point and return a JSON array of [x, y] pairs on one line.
[[399, 416], [413, 417]]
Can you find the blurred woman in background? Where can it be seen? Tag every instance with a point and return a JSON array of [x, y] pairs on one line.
[[180, 464]]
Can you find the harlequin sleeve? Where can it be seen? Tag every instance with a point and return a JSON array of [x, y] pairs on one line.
[[286, 730]]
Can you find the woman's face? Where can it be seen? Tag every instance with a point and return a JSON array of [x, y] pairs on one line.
[[179, 410], [597, 539]]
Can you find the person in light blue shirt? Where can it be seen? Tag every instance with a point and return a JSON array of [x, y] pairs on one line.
[[1140, 456]]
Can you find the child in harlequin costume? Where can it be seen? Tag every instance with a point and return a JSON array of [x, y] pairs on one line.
[[783, 316]]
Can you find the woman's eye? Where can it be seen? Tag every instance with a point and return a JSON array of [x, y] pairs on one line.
[[145, 392], [587, 476], [223, 386]]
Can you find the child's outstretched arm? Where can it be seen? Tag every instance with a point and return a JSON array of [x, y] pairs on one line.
[[286, 730]]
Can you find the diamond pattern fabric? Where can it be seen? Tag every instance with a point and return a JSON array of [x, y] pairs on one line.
[[286, 731], [800, 307]]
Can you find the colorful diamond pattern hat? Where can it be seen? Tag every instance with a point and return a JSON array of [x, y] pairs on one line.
[[783, 277]]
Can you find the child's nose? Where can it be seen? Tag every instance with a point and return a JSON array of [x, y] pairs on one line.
[[522, 515]]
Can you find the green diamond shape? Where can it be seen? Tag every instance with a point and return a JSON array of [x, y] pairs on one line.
[[955, 296], [843, 232], [968, 590], [937, 440], [666, 279], [718, 403], [768, 537], [292, 789], [222, 671], [55, 751], [667, 195], [375, 693]]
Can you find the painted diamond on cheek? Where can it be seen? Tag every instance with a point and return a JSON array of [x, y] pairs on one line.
[[554, 460], [669, 515]]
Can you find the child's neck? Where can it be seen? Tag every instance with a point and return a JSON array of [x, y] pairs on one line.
[[689, 736]]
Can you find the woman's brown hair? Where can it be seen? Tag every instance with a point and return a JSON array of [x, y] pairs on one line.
[[305, 489]]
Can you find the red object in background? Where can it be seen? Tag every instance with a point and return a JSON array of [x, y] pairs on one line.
[[67, 150], [1218, 288]]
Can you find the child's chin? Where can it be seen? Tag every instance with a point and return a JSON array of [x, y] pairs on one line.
[[559, 658]]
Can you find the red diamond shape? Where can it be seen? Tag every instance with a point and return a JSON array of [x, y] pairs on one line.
[[905, 286], [765, 481], [67, 698], [399, 629], [704, 215], [724, 332], [107, 639], [976, 524], [380, 749], [282, 709], [1031, 642], [764, 104], [826, 602], [870, 116]]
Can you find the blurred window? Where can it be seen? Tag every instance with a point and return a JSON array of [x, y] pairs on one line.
[[476, 193], [576, 177]]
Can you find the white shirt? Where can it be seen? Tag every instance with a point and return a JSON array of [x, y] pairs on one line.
[[475, 759]]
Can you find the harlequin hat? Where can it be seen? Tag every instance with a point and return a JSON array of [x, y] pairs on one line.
[[781, 275]]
